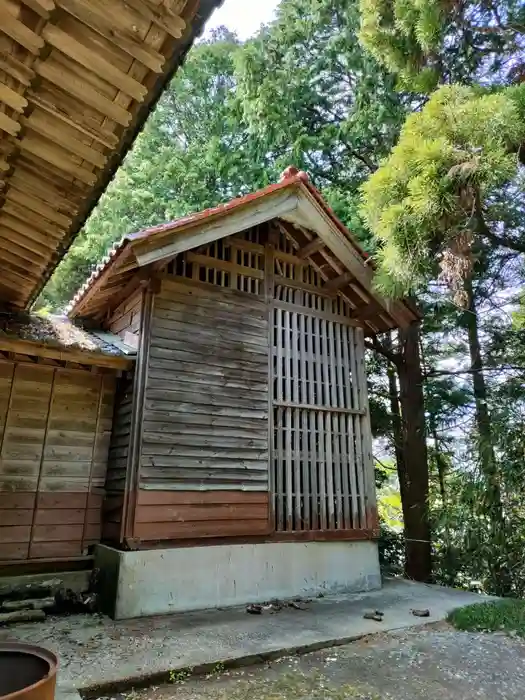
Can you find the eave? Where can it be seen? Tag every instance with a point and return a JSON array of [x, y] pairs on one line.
[[77, 82]]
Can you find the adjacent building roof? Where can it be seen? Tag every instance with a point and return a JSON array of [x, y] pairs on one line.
[[78, 79], [57, 337], [297, 204]]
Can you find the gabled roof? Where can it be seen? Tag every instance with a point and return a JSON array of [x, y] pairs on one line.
[[294, 201], [78, 79]]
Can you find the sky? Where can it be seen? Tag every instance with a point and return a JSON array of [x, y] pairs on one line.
[[243, 16]]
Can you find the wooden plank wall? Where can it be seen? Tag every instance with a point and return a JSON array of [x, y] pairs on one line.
[[124, 322], [55, 427], [206, 415]]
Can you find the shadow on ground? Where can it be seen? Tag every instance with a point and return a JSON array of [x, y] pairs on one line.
[[430, 663]]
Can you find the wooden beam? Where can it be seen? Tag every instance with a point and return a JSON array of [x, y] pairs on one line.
[[83, 55], [171, 23], [16, 69], [338, 282], [12, 99], [79, 89], [224, 223], [319, 220], [106, 25], [312, 247], [18, 31], [100, 134], [57, 157], [28, 347], [39, 207], [41, 7], [9, 125], [50, 129]]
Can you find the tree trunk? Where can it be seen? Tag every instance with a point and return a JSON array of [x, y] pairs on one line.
[[487, 457], [413, 468]]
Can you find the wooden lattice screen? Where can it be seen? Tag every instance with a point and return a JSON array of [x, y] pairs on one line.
[[320, 445]]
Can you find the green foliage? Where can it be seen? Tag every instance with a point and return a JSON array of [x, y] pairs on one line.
[[315, 98], [428, 41], [495, 616], [302, 92], [194, 152], [445, 179]]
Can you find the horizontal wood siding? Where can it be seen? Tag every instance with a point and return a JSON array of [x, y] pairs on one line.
[[120, 436], [166, 515], [125, 322], [55, 427], [206, 405]]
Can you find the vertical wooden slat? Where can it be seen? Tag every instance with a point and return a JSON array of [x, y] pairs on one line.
[[359, 465], [304, 425], [268, 266], [295, 398], [342, 382], [319, 425], [280, 418], [322, 468], [327, 420], [288, 468], [280, 469], [334, 437], [312, 450], [40, 469], [7, 394], [288, 358], [288, 420], [350, 452], [369, 492], [93, 458]]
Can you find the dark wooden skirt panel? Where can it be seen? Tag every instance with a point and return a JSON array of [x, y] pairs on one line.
[[170, 515]]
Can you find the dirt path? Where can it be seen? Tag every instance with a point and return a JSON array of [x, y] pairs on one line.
[[432, 663]]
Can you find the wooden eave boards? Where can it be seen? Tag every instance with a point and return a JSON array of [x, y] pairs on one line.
[[77, 81]]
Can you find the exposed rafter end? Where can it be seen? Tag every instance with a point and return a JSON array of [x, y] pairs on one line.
[[338, 282], [310, 248]]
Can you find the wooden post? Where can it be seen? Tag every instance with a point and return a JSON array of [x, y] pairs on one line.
[[137, 411]]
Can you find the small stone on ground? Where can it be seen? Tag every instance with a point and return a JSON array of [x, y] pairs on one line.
[[429, 663]]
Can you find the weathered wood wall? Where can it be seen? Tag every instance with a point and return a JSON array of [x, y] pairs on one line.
[[125, 322], [55, 427], [205, 423], [255, 418]]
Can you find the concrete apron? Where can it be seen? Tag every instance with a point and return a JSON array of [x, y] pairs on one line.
[[180, 579], [98, 655]]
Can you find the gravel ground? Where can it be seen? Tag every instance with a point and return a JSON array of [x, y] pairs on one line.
[[435, 663]]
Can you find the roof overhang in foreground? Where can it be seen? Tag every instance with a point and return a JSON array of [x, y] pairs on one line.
[[78, 79], [297, 206]]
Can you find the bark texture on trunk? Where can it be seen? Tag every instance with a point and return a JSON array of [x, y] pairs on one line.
[[413, 467]]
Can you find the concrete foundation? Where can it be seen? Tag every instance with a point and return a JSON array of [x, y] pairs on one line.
[[153, 582]]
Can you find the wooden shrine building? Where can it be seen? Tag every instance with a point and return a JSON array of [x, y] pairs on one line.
[[240, 465]]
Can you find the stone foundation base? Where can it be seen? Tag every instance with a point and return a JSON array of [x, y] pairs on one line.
[[153, 582]]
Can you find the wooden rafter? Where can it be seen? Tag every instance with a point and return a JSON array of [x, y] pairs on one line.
[[77, 80]]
